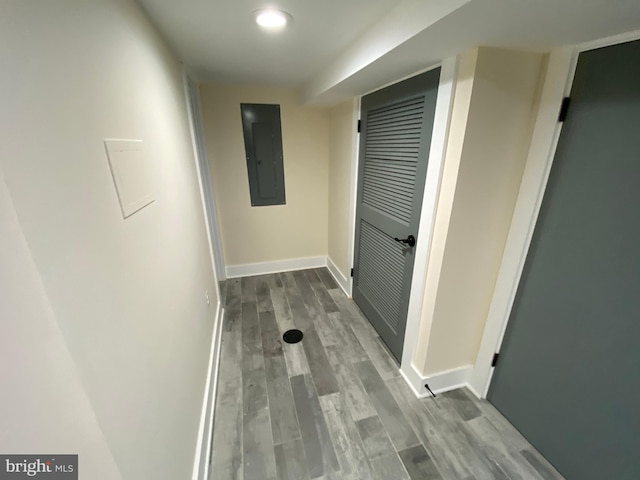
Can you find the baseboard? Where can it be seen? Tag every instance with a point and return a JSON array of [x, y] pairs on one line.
[[438, 382], [413, 379], [249, 269], [474, 391], [205, 430], [340, 279]]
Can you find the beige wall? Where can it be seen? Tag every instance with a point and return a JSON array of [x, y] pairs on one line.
[[271, 233], [457, 127], [341, 138], [109, 331], [487, 149]]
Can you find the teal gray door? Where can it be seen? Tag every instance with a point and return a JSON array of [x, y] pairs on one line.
[[396, 126], [568, 374]]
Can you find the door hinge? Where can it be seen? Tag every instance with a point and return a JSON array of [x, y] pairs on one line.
[[564, 109], [352, 272], [494, 362], [359, 125]]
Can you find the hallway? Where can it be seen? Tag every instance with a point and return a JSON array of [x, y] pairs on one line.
[[334, 405]]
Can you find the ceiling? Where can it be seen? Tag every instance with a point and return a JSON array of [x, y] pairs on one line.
[[340, 48], [221, 42]]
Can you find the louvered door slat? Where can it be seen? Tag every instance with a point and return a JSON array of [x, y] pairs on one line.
[[383, 194], [393, 148], [379, 257]]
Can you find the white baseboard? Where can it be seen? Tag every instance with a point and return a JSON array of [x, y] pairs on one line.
[[413, 379], [338, 276], [474, 391], [250, 269], [205, 430], [438, 382]]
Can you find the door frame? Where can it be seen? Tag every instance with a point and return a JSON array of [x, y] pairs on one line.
[[437, 150], [546, 133]]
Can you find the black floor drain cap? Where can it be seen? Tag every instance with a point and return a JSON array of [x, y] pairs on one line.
[[292, 336]]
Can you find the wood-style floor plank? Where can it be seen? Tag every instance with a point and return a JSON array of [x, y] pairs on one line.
[[388, 467], [510, 459], [297, 363], [291, 461], [248, 286], [327, 331], [233, 305], [346, 440], [450, 464], [328, 305], [327, 278], [354, 395], [305, 305], [318, 447], [227, 438], [541, 464], [263, 294], [293, 353], [257, 453], [226, 451], [507, 431], [271, 338], [284, 421], [367, 337], [374, 437], [419, 464], [462, 402], [395, 423], [321, 371], [459, 437], [254, 381], [334, 406], [275, 281], [346, 339], [222, 288]]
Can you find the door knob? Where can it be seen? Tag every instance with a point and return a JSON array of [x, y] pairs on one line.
[[410, 240]]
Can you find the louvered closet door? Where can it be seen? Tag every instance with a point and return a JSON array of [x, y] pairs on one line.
[[394, 146]]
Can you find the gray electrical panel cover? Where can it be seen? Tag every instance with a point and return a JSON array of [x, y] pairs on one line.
[[263, 146]]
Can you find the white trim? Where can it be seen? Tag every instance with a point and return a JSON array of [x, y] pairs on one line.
[[413, 379], [558, 82], [608, 41], [340, 279], [473, 390], [353, 193], [438, 382], [208, 402], [204, 177], [541, 151], [288, 265], [442, 119], [406, 77], [214, 389]]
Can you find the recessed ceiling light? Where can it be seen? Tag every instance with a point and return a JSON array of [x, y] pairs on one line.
[[272, 19]]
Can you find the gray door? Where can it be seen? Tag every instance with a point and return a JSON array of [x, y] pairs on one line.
[[396, 126], [568, 374]]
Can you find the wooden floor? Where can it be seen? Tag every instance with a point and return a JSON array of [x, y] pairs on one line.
[[334, 406]]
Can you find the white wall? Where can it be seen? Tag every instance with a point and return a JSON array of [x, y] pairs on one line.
[[127, 295], [253, 235], [44, 406]]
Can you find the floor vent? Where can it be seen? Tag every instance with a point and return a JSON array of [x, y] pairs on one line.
[[292, 336]]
